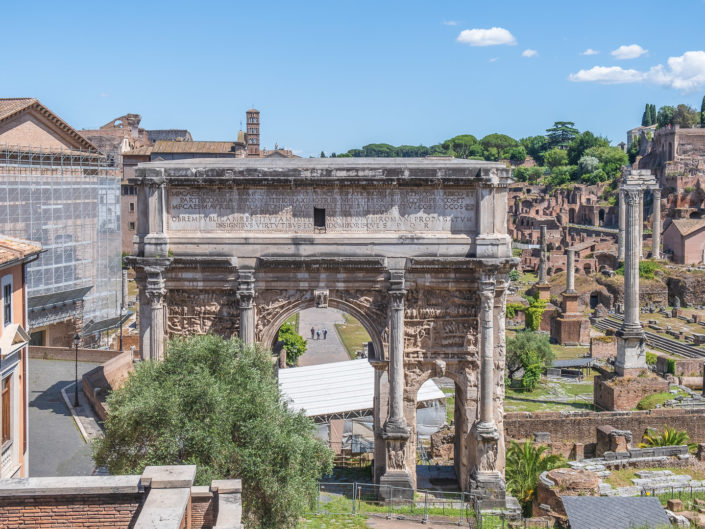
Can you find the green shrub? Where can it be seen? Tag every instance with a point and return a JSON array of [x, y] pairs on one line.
[[534, 314], [671, 366], [651, 401], [651, 358], [513, 308]]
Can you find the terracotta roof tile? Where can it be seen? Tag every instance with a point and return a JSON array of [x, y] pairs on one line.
[[12, 105], [12, 249], [210, 147], [688, 226]]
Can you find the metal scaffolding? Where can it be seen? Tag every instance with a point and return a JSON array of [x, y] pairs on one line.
[[69, 200]]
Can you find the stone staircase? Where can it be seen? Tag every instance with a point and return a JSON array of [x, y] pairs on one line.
[[654, 340]]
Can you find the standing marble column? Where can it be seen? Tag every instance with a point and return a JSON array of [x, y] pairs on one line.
[[245, 297], [641, 224], [656, 232], [396, 420], [488, 482], [622, 224], [542, 256], [155, 292], [570, 271], [487, 288], [630, 347]]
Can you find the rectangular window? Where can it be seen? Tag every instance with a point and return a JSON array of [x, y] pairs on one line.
[[132, 206], [131, 226], [319, 219], [6, 386], [7, 300]]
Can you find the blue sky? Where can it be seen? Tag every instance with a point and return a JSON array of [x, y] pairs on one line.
[[337, 75]]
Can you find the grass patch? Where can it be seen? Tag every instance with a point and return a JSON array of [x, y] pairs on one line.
[[551, 395], [651, 401], [352, 334], [623, 478], [450, 404]]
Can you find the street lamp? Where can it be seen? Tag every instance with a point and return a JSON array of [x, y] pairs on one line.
[[76, 339]]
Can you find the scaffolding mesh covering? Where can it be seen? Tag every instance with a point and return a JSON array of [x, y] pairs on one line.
[[69, 200]]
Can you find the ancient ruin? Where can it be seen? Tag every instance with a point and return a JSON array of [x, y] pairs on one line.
[[416, 249]]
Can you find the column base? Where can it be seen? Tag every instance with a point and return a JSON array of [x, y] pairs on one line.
[[396, 485], [631, 351], [395, 431], [544, 291], [490, 489]]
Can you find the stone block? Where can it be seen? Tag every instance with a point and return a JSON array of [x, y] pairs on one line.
[[675, 505], [169, 476], [542, 437]]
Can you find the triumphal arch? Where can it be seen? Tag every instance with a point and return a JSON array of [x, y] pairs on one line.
[[416, 249]]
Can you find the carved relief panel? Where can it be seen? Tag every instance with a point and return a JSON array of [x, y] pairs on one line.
[[441, 322], [201, 312]]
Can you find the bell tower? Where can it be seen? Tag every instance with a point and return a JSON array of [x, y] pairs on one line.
[[252, 135]]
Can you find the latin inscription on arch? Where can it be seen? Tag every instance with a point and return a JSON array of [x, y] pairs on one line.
[[291, 211]]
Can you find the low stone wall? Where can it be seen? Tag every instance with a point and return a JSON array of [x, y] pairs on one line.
[[100, 381], [683, 367], [624, 393], [162, 497], [603, 347], [581, 427], [98, 356]]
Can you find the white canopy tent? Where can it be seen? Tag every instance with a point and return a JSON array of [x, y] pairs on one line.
[[338, 390]]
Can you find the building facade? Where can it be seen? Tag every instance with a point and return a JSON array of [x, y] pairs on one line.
[[58, 190], [15, 254]]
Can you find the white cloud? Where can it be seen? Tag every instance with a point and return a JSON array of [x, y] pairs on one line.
[[486, 37], [632, 51], [493, 59], [450, 23], [529, 53], [590, 51], [607, 75], [104, 94], [685, 73]]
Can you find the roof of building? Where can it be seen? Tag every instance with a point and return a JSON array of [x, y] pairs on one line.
[[338, 387], [11, 107], [145, 150], [573, 362], [599, 512], [687, 226], [96, 327], [169, 135], [196, 147], [12, 249], [57, 298]]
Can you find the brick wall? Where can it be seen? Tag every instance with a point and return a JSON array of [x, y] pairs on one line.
[[203, 511], [603, 346], [617, 393], [68, 353], [94, 511], [582, 426]]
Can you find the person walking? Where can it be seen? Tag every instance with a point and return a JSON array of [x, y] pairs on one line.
[[325, 333], [313, 331], [318, 334]]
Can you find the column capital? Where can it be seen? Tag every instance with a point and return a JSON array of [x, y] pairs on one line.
[[396, 299], [632, 196], [487, 286], [245, 298]]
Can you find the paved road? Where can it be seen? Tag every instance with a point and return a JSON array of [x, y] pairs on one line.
[[56, 447], [321, 351]]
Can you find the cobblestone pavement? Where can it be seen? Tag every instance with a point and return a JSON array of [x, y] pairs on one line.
[[56, 447], [321, 351]]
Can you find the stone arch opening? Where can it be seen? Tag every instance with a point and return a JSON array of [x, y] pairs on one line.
[[270, 332], [601, 216]]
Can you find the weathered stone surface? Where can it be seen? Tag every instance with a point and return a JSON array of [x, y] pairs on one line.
[[564, 482], [675, 505], [416, 249]]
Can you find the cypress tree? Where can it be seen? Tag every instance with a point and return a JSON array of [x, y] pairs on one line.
[[702, 113], [646, 116], [653, 114]]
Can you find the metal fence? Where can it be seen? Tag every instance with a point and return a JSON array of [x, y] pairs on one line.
[[686, 494], [423, 506]]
